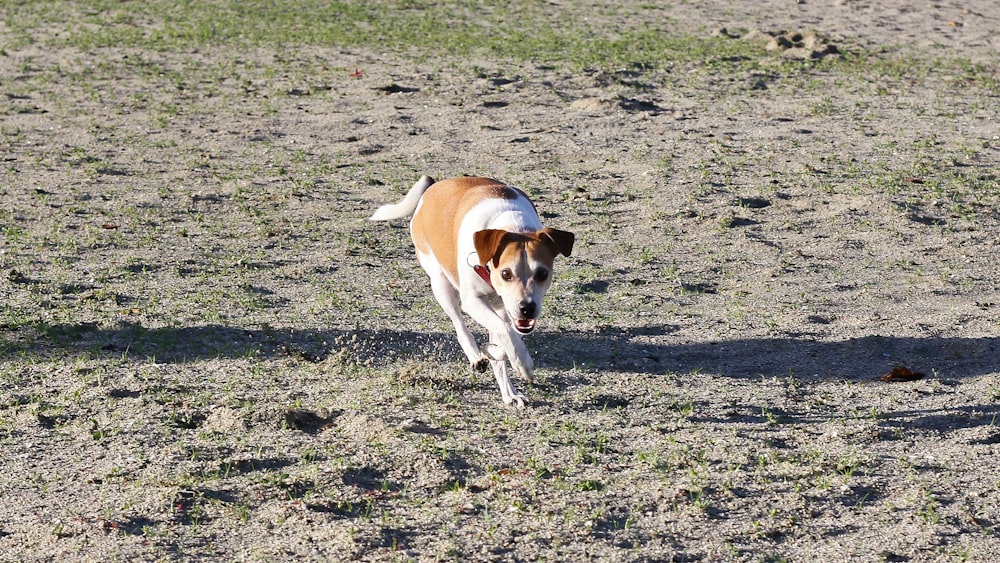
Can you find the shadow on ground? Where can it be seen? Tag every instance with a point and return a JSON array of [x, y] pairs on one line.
[[646, 350]]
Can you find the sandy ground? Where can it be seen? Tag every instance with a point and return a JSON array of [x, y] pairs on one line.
[[208, 353]]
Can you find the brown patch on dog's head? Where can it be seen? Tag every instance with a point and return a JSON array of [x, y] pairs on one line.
[[491, 243], [560, 241]]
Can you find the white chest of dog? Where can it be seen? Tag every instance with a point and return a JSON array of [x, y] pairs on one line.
[[486, 252]]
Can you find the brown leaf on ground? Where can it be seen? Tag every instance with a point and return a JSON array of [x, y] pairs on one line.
[[901, 373]]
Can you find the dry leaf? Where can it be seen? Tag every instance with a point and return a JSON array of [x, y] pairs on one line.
[[901, 373]]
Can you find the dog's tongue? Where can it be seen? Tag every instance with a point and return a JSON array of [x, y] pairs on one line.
[[525, 324]]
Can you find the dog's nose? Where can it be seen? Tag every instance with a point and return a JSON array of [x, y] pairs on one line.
[[528, 309]]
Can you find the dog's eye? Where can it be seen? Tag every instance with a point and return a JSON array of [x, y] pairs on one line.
[[541, 275], [506, 274]]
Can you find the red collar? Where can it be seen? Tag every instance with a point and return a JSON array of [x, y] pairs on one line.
[[484, 273]]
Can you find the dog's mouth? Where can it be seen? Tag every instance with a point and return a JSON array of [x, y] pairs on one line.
[[524, 326]]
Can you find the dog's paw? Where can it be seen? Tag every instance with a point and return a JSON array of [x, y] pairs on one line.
[[516, 400], [481, 365]]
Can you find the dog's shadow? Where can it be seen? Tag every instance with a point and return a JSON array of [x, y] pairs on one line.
[[648, 350], [581, 357]]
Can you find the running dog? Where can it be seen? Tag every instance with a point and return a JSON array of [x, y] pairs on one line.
[[483, 246]]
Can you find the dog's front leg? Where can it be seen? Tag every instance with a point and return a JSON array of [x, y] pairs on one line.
[[449, 299], [517, 352], [498, 361], [510, 341], [502, 334]]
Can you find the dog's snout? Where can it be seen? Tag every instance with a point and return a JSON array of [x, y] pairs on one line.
[[528, 309]]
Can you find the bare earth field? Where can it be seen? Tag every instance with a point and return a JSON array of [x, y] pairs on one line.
[[207, 352]]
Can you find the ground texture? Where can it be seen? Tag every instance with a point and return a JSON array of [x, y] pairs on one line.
[[207, 352]]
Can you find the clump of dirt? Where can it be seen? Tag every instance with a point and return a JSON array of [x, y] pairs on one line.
[[802, 45]]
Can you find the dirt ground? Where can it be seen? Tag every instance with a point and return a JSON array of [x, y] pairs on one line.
[[207, 352]]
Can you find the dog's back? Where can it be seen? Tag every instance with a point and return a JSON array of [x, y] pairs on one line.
[[472, 203]]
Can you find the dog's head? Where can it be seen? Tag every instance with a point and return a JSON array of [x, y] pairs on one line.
[[521, 268]]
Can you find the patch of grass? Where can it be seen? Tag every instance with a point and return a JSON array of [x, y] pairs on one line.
[[506, 30]]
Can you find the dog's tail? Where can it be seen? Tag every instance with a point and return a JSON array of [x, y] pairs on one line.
[[407, 205]]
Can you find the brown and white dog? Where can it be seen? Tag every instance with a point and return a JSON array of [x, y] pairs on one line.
[[486, 252]]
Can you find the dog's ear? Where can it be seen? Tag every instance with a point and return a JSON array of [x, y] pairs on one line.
[[488, 243], [560, 241]]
